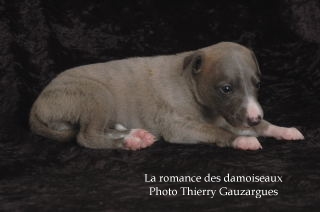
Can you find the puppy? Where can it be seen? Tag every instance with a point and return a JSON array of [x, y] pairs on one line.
[[203, 96]]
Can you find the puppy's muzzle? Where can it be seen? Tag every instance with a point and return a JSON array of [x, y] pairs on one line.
[[254, 112]]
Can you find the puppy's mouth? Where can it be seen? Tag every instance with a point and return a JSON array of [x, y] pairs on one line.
[[245, 127], [237, 122]]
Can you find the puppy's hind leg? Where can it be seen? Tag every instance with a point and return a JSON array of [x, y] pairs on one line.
[[95, 131], [134, 139]]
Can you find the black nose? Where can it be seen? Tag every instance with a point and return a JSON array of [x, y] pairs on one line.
[[254, 121]]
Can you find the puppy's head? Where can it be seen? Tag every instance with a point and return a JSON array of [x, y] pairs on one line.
[[225, 78]]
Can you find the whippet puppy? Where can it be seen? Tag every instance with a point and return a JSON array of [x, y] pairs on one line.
[[203, 96]]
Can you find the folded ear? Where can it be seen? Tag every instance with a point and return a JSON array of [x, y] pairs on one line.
[[193, 62]]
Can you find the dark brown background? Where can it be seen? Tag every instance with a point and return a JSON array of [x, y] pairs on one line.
[[39, 39]]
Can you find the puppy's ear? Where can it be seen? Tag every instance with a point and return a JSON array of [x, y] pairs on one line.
[[255, 60], [193, 62]]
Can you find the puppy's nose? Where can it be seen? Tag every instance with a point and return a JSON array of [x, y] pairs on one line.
[[253, 121]]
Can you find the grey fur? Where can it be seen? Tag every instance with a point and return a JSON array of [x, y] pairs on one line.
[[164, 95]]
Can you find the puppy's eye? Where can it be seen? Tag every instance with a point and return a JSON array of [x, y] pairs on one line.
[[258, 85], [226, 89]]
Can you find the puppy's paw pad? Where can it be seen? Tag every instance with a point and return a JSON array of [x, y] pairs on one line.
[[246, 143], [138, 139], [291, 134]]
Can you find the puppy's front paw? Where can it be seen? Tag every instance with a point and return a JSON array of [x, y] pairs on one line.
[[284, 133], [138, 139], [246, 143]]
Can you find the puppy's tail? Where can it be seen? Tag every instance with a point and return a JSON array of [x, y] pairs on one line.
[[64, 135]]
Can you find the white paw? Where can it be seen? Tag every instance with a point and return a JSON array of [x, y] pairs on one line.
[[138, 139], [246, 143], [120, 127], [292, 133]]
